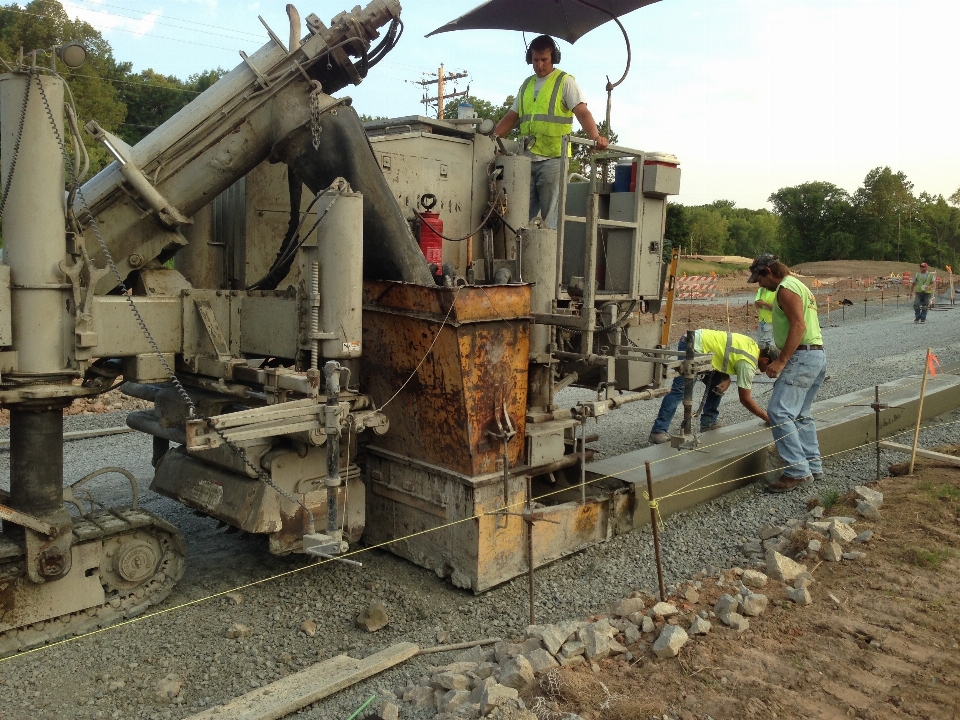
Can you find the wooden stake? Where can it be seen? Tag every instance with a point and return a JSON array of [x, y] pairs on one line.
[[458, 646], [923, 389], [286, 696]]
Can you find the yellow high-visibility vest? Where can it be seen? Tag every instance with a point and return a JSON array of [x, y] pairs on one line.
[[728, 349], [544, 117]]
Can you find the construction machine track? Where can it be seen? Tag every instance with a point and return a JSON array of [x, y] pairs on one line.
[[125, 560]]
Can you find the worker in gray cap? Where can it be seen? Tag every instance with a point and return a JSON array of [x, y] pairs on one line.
[[799, 371]]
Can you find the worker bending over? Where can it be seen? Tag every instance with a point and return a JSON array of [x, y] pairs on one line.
[[733, 355]]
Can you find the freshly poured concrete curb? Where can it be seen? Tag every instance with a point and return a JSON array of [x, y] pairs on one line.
[[735, 455]]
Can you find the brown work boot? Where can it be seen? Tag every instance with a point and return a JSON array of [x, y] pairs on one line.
[[786, 484]]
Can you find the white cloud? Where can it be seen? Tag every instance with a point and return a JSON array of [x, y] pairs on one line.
[[107, 19]]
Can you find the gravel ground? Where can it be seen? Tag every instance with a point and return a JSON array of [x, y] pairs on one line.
[[115, 674]]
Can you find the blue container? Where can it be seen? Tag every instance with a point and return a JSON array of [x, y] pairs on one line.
[[621, 181]]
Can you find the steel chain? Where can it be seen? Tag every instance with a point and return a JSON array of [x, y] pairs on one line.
[[315, 128], [16, 147], [175, 381]]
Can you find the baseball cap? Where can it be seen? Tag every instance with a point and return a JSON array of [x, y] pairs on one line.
[[764, 261]]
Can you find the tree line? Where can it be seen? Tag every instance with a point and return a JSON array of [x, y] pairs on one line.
[[881, 220], [128, 104]]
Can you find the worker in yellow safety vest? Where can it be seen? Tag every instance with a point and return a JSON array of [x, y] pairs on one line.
[[922, 289], [734, 355], [799, 371], [545, 107], [764, 304]]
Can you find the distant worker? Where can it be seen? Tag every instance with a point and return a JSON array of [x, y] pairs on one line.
[[733, 354], [922, 288], [800, 370], [545, 107], [764, 305]]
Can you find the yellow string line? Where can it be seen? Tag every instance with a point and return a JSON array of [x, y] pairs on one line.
[[654, 504], [761, 429], [839, 452]]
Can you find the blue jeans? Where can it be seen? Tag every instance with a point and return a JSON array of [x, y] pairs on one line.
[[545, 190], [764, 333], [794, 430], [670, 403], [921, 301]]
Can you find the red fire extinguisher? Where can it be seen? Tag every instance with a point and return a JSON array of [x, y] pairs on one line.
[[431, 233]]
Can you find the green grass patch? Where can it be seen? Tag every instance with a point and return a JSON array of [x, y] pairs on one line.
[[940, 492], [930, 559], [829, 498], [702, 267]]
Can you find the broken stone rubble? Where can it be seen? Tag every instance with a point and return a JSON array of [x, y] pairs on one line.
[[487, 682]]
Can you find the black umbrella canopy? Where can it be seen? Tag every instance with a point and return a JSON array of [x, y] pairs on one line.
[[566, 19]]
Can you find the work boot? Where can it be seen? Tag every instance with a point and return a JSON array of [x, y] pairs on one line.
[[917, 320], [658, 438], [710, 427], [786, 484]]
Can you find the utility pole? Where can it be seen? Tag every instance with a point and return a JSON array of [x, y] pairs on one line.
[[440, 80]]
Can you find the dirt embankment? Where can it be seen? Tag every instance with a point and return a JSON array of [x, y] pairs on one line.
[[880, 641], [836, 283]]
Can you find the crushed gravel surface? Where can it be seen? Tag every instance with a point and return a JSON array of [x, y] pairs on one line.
[[119, 672]]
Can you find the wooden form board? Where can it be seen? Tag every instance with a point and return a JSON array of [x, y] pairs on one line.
[[279, 699], [929, 454]]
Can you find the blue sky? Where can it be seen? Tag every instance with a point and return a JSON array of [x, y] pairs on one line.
[[751, 95]]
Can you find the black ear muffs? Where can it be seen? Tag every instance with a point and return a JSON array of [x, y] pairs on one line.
[[554, 51]]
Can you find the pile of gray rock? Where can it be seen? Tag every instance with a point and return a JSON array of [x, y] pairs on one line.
[[485, 682], [482, 681], [832, 538]]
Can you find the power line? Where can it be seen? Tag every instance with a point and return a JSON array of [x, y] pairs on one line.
[[134, 82], [440, 79], [134, 32], [170, 17]]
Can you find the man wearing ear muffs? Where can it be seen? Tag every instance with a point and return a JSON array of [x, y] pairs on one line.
[[545, 107]]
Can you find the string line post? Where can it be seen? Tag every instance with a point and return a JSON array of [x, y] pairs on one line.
[[916, 429], [654, 512]]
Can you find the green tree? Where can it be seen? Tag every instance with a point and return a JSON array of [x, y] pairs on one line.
[[152, 98], [676, 230], [709, 230], [883, 205], [814, 217], [955, 198], [43, 25], [943, 224], [484, 108]]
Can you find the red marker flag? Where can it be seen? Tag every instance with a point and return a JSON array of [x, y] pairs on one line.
[[932, 364]]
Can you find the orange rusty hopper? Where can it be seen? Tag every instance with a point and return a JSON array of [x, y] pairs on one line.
[[439, 463]]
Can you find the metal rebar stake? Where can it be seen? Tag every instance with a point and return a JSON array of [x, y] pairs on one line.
[[877, 407], [656, 531], [690, 379], [583, 460], [530, 563]]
